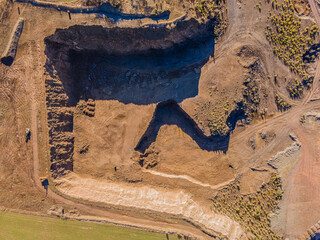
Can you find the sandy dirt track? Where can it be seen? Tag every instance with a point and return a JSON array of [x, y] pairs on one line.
[[190, 179]]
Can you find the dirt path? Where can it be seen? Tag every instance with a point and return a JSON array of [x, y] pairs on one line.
[[187, 178], [315, 84], [34, 130], [109, 11], [315, 10]]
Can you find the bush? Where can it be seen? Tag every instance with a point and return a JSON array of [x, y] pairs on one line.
[[288, 39]]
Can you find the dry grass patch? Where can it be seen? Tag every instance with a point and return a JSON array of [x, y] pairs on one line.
[[251, 211]]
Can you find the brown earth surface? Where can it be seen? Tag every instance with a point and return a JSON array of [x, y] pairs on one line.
[[89, 148]]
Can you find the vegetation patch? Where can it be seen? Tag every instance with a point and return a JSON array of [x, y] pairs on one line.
[[214, 116], [251, 98], [213, 8], [282, 105], [209, 8], [220, 26], [254, 94], [288, 38], [251, 211], [259, 6], [250, 94], [295, 89], [312, 53], [114, 3], [211, 116], [205, 8]]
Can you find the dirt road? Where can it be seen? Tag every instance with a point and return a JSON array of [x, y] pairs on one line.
[[302, 206], [303, 192], [315, 10]]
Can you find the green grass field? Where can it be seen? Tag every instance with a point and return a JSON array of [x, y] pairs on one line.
[[26, 227]]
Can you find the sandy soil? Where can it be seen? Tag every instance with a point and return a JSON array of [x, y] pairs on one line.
[[182, 176], [156, 199]]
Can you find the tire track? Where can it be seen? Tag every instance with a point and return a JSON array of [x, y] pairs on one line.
[[187, 178]]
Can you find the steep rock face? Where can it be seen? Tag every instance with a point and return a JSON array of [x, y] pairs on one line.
[[162, 58], [60, 124], [121, 41]]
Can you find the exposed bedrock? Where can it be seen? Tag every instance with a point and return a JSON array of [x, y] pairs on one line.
[[140, 66]]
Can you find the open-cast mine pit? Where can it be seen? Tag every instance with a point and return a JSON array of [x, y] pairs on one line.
[[147, 66], [191, 118], [144, 67], [131, 74]]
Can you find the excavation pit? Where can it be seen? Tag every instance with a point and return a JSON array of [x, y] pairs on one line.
[[132, 68], [141, 66]]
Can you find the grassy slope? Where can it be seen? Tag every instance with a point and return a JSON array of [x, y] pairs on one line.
[[26, 227]]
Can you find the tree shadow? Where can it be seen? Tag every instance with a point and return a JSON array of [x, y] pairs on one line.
[[316, 237]]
